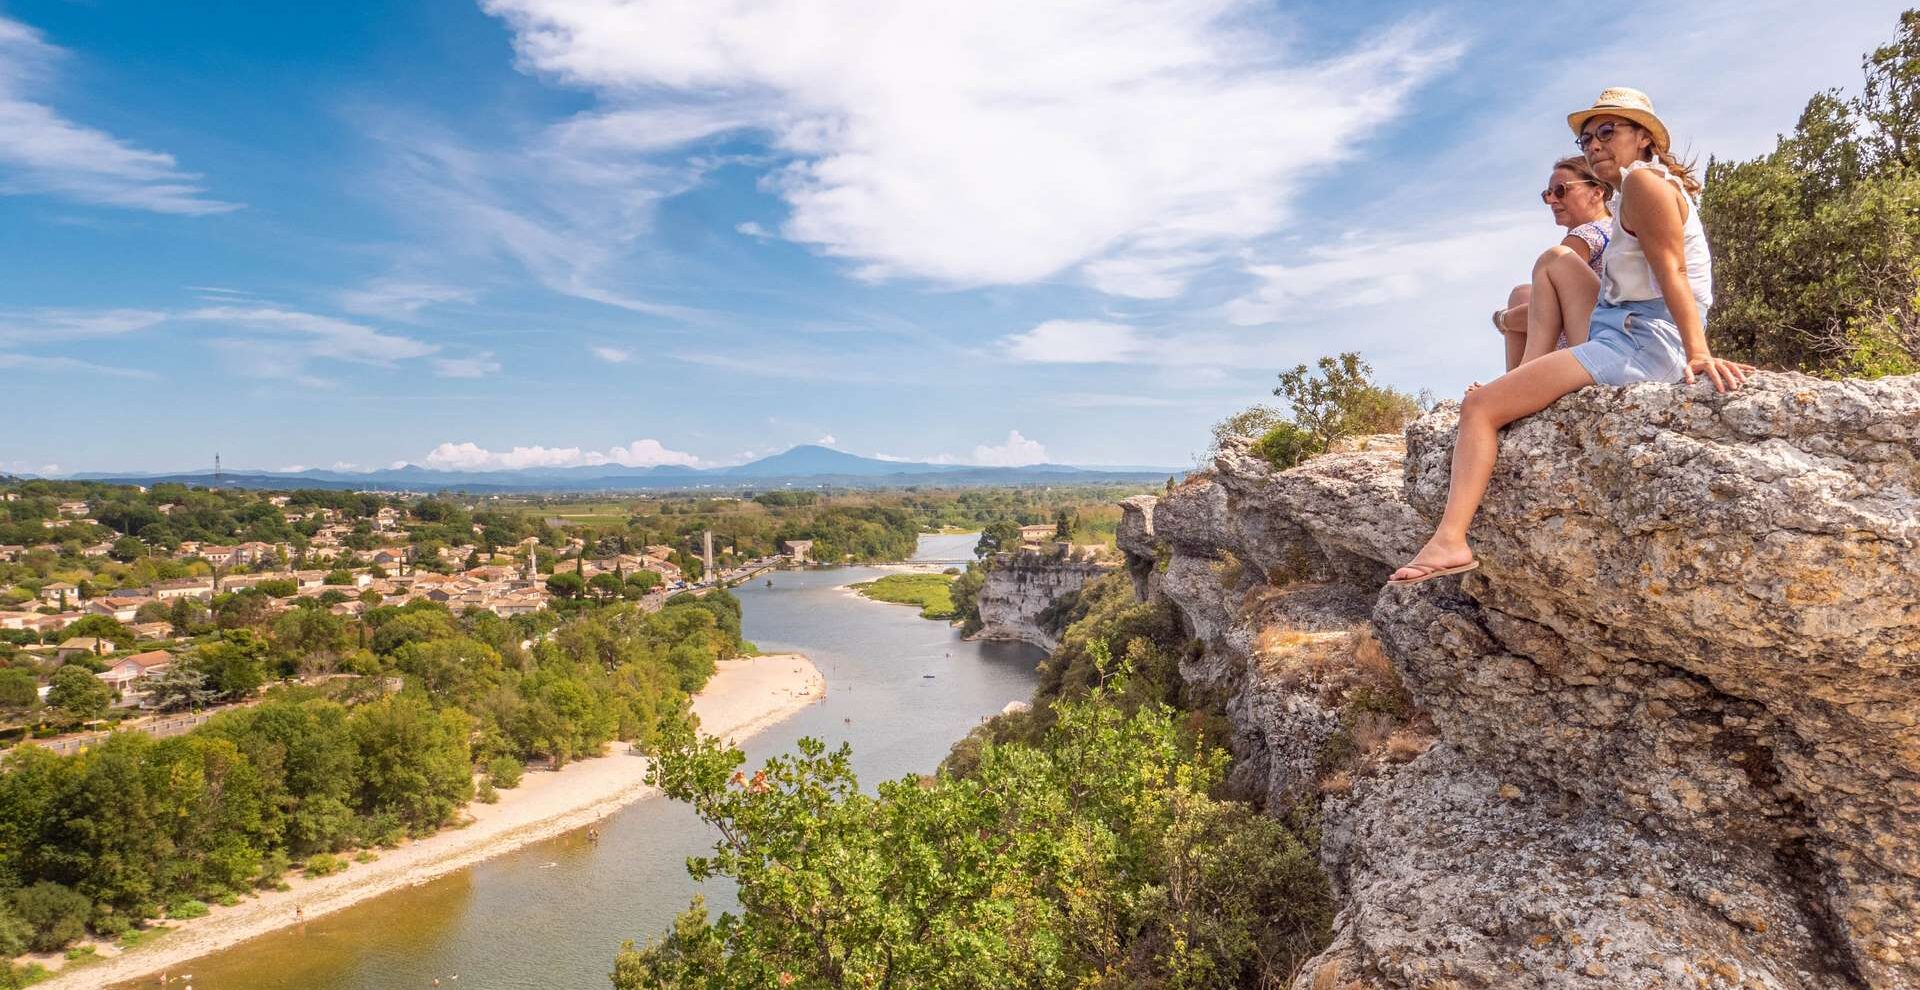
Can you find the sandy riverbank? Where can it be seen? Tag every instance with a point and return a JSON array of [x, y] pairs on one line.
[[743, 697]]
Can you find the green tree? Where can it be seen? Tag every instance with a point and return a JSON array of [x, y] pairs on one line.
[[416, 762], [641, 583], [606, 586], [1097, 859], [103, 626], [234, 664], [56, 913], [75, 692], [127, 549], [1817, 243], [567, 585], [998, 536], [19, 690], [1341, 400], [178, 688]]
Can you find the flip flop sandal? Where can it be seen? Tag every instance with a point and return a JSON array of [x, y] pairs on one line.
[[1436, 572]]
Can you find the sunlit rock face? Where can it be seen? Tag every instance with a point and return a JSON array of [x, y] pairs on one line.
[[1025, 595], [1679, 705]]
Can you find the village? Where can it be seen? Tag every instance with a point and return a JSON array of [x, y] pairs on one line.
[[338, 568]]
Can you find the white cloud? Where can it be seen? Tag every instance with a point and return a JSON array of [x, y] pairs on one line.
[[325, 336], [477, 366], [54, 326], [753, 229], [1015, 452], [1378, 268], [43, 152], [991, 142], [1076, 342], [612, 355], [826, 440], [36, 362], [398, 297], [468, 456]]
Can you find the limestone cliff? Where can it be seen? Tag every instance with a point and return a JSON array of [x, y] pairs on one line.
[[1024, 594], [1667, 736]]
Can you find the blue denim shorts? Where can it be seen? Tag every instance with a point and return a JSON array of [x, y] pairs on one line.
[[1632, 342]]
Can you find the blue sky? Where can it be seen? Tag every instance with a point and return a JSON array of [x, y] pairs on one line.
[[553, 232]]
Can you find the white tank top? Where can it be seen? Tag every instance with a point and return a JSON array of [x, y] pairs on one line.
[[1629, 278]]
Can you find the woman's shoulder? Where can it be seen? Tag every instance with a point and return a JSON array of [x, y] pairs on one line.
[[1650, 175], [1601, 228]]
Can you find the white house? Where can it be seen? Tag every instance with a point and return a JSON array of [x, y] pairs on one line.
[[127, 672]]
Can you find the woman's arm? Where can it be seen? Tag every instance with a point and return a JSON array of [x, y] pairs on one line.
[[1578, 245], [1653, 209]]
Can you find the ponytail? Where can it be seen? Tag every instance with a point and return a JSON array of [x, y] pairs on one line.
[[1684, 171]]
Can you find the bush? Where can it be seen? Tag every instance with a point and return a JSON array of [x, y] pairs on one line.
[[15, 933], [324, 865], [184, 909], [504, 772], [485, 794], [56, 913], [1284, 446]]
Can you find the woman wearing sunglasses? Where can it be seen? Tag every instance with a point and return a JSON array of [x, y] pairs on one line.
[[1567, 276], [1649, 326]]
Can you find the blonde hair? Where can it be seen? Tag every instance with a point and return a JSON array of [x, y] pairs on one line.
[[1577, 164]]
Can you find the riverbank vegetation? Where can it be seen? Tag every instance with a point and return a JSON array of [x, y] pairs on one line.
[[1084, 843], [929, 591], [384, 743]]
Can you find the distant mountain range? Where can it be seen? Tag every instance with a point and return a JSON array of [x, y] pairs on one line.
[[803, 466]]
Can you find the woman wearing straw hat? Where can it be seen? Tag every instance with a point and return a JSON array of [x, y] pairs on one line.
[[1649, 325]]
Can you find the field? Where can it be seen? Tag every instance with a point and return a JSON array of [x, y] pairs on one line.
[[929, 591]]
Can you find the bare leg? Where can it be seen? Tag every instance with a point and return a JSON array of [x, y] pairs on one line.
[[1564, 292], [1532, 387], [1516, 317]]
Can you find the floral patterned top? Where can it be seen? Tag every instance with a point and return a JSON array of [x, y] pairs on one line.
[[1596, 234]]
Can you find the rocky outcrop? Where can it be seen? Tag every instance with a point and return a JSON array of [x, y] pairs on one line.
[[1024, 595], [1677, 709]]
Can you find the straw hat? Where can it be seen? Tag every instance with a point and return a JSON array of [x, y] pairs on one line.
[[1619, 101]]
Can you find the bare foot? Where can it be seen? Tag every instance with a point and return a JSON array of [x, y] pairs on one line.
[[1435, 556]]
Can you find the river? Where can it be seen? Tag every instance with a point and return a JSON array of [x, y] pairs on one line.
[[553, 914]]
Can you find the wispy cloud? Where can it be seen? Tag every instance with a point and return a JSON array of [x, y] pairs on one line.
[[44, 153], [54, 326], [569, 211], [395, 297], [38, 362], [612, 355], [998, 142], [469, 456], [323, 336]]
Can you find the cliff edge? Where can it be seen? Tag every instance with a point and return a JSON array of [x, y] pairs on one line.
[[1667, 736]]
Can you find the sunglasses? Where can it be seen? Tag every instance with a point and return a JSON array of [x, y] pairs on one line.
[[1559, 189], [1602, 133]]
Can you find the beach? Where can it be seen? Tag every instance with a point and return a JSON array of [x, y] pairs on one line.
[[743, 697]]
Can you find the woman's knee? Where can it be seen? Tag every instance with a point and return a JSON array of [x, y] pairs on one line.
[[1520, 296], [1556, 254]]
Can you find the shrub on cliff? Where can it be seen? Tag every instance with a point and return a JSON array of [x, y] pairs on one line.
[[1336, 398]]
